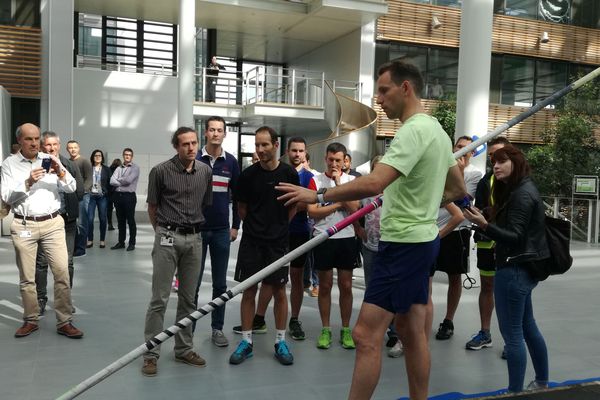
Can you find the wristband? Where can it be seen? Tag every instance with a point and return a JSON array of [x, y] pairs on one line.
[[321, 196]]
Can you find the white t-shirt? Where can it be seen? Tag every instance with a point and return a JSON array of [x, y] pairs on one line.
[[321, 225]]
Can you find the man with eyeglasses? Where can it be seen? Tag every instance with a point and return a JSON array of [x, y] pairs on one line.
[[125, 179]]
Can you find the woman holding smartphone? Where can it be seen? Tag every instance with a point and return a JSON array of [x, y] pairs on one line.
[[98, 197], [517, 226]]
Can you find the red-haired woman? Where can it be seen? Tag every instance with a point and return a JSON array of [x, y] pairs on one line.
[[517, 226]]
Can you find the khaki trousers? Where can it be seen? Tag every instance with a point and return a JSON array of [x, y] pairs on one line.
[[50, 235], [185, 256]]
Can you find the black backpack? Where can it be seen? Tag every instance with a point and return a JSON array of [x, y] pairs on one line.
[[558, 237]]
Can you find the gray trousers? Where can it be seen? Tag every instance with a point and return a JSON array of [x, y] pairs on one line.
[[185, 256]]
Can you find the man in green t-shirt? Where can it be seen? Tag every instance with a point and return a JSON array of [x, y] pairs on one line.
[[416, 175]]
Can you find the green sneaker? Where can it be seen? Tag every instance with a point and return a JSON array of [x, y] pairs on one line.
[[346, 338], [324, 340]]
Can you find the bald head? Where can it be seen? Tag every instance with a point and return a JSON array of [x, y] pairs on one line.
[[28, 136]]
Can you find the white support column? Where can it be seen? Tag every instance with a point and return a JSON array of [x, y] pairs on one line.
[[367, 63], [56, 105], [185, 68], [474, 63]]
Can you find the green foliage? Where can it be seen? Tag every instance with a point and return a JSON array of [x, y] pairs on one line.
[[445, 113], [569, 145]]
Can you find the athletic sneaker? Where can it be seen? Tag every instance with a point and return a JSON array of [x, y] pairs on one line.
[[346, 338], [257, 327], [296, 331], [243, 351], [282, 353], [537, 385], [396, 351], [324, 340], [219, 339], [445, 331], [479, 341], [392, 340]]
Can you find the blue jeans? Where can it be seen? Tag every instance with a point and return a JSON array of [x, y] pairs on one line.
[[310, 274], [218, 243], [100, 202], [82, 225], [512, 292]]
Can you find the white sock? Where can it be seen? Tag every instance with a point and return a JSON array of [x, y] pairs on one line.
[[247, 336], [280, 337]]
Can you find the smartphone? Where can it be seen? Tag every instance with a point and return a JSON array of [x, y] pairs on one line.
[[463, 203], [46, 163]]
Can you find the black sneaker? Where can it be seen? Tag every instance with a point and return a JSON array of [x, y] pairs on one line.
[[257, 327], [296, 331], [392, 340], [42, 305], [445, 331]]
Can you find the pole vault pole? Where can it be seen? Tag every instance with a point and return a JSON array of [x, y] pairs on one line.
[[529, 112], [254, 279], [219, 301]]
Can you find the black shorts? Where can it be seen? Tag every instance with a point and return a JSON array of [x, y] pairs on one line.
[[486, 262], [254, 256], [335, 253], [297, 240], [454, 253]]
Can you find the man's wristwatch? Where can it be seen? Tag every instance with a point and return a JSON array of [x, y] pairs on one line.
[[321, 195]]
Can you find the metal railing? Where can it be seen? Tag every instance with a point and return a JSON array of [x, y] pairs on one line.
[[294, 87], [580, 212], [110, 64]]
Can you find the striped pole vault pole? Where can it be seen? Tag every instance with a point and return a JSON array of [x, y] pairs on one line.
[[219, 301], [254, 279]]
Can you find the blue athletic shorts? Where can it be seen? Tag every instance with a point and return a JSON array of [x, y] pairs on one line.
[[400, 276]]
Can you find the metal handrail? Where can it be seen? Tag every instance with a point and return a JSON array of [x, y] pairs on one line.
[[96, 62]]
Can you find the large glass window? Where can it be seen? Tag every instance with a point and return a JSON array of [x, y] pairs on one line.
[[550, 77], [438, 66], [518, 75], [586, 13]]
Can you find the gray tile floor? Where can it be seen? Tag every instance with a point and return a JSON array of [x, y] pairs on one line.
[[112, 289]]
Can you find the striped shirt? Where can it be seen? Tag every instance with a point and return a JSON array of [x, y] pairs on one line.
[[180, 195]]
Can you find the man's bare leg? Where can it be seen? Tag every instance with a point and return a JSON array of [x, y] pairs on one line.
[[368, 336], [297, 291], [325, 283], [264, 298], [486, 301], [247, 307], [345, 287], [416, 350], [280, 306]]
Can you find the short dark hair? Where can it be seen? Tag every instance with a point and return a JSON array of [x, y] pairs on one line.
[[498, 140], [180, 131], [270, 131], [464, 137], [73, 141], [296, 139], [307, 156], [214, 118], [400, 71], [127, 149], [49, 134], [92, 156], [349, 157], [336, 147]]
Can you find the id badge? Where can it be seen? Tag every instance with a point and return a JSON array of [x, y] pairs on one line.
[[166, 241], [25, 234]]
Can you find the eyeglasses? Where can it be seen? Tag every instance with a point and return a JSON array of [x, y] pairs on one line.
[[97, 155]]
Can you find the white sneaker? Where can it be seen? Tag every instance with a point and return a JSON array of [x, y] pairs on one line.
[[396, 351]]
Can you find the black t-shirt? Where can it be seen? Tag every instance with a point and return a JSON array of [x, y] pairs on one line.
[[266, 217]]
